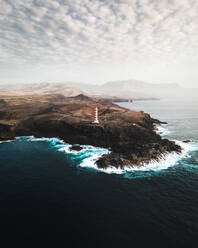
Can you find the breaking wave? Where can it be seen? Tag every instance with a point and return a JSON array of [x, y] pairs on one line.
[[162, 131], [6, 141], [50, 140], [88, 156], [166, 161]]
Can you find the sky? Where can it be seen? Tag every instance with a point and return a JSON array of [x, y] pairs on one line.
[[95, 41]]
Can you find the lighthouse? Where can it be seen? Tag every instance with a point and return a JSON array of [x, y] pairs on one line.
[[96, 121]]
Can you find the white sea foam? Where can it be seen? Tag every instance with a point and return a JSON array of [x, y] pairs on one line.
[[51, 140], [161, 130], [167, 160], [90, 161], [90, 155], [6, 141], [85, 148]]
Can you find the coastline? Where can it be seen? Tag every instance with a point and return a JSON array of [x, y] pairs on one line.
[[164, 161], [130, 136], [90, 154]]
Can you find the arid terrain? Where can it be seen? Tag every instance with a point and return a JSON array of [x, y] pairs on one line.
[[129, 135]]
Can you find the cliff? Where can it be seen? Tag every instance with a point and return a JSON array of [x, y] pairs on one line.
[[129, 135]]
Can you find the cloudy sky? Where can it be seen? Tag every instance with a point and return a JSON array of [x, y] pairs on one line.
[[96, 41]]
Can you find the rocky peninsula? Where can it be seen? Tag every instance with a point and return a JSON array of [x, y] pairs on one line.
[[129, 135]]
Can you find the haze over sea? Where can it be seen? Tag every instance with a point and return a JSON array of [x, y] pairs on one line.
[[52, 196]]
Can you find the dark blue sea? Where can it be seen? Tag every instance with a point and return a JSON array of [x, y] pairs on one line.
[[51, 196]]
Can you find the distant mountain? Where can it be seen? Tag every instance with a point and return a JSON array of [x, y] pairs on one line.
[[130, 89], [140, 89], [136, 85], [126, 89]]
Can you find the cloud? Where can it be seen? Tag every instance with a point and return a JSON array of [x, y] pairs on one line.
[[98, 32]]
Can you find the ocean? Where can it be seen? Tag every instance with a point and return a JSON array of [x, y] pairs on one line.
[[52, 196]]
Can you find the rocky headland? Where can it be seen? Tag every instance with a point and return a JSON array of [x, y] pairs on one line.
[[129, 135]]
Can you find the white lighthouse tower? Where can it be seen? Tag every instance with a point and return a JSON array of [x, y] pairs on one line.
[[96, 121]]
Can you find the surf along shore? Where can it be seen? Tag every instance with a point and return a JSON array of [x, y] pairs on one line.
[[129, 135]]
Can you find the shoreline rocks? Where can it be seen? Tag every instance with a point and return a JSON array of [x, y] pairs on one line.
[[75, 148]]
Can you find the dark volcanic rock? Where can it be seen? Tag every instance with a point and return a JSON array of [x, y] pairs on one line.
[[81, 97], [6, 132], [138, 156], [76, 148]]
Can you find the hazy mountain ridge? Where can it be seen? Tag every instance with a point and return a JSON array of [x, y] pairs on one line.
[[138, 84], [135, 89], [139, 88], [125, 89]]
